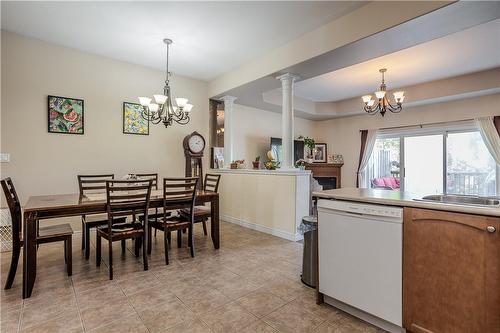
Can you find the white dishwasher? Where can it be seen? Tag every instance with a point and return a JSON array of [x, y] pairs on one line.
[[360, 257]]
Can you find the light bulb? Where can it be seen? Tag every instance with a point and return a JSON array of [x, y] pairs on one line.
[[187, 108], [380, 94], [144, 101], [366, 98], [153, 107], [160, 99], [181, 102]]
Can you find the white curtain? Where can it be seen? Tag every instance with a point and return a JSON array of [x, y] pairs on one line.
[[490, 136], [363, 170]]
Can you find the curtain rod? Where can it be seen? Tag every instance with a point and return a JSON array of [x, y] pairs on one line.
[[422, 125]]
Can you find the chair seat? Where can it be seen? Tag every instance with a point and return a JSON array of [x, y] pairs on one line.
[[199, 212], [172, 222], [153, 217], [55, 230]]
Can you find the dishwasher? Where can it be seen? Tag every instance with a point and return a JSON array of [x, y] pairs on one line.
[[360, 258]]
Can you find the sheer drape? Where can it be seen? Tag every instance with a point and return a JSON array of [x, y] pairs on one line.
[[490, 135], [368, 138]]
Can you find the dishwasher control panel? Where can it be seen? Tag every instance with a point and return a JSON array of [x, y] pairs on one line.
[[361, 208]]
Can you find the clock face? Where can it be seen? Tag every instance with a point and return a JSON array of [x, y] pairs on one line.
[[196, 144]]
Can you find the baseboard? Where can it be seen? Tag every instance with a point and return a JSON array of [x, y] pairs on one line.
[[254, 226]]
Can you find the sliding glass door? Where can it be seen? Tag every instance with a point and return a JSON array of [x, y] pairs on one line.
[[423, 164]]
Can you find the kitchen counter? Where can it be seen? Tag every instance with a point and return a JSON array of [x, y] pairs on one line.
[[401, 199]]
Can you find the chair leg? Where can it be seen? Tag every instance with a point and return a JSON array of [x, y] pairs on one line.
[[65, 252], [205, 227], [166, 235], [144, 252], [83, 235], [69, 256], [155, 232], [137, 244], [183, 231], [191, 240], [13, 267], [124, 246], [110, 256], [150, 238], [169, 237], [87, 242], [98, 250], [179, 239]]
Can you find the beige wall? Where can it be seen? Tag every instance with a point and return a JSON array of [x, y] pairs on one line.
[[43, 162], [253, 129], [343, 137]]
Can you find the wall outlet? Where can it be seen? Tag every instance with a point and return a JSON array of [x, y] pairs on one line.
[[4, 157]]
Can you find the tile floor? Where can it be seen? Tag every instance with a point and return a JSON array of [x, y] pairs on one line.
[[251, 284]]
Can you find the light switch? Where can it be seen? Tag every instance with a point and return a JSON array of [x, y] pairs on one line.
[[4, 157]]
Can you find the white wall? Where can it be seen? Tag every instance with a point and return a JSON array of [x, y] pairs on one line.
[[47, 163], [253, 129], [343, 137]]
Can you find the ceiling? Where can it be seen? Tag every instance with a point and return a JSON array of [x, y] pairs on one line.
[[210, 38], [471, 50]]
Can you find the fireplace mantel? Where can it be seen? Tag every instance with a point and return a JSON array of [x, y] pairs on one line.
[[321, 171]]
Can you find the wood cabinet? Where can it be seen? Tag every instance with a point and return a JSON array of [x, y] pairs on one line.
[[451, 272]]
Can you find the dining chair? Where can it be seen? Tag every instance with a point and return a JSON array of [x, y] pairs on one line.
[[91, 184], [203, 213], [125, 198], [49, 234], [157, 212], [177, 192]]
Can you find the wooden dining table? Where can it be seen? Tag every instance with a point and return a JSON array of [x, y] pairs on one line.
[[64, 205]]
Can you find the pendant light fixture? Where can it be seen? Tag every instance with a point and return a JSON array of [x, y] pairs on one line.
[[383, 103]]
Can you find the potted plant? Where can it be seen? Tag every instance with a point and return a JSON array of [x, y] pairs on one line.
[[310, 144], [301, 164], [256, 163]]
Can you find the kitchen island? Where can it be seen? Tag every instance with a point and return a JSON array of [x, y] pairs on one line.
[[270, 201], [406, 264]]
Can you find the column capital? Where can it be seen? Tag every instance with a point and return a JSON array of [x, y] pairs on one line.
[[228, 99], [288, 77]]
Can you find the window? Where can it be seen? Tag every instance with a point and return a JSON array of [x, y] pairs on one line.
[[434, 160]]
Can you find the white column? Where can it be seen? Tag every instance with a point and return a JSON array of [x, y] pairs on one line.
[[228, 129], [287, 119]]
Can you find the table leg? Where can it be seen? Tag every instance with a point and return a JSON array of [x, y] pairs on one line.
[[214, 223], [29, 253]]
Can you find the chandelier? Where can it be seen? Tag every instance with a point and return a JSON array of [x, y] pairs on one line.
[[383, 103], [162, 110]]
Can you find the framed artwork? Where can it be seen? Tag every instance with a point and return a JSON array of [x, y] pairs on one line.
[[133, 123], [65, 115], [320, 154]]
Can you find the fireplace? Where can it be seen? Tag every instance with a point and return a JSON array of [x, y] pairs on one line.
[[327, 174], [328, 183]]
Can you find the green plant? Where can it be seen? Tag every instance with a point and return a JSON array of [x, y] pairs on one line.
[[257, 159], [309, 142]]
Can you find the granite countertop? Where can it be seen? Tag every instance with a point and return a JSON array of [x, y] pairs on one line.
[[401, 199]]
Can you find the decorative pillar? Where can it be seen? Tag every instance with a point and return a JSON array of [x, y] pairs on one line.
[[287, 119], [228, 128]]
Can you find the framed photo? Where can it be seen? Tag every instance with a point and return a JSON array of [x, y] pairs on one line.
[[320, 153], [65, 115], [338, 159], [133, 123]]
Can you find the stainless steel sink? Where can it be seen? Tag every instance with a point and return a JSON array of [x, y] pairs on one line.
[[462, 200]]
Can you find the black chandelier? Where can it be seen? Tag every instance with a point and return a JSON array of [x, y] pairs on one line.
[[383, 103], [162, 110]]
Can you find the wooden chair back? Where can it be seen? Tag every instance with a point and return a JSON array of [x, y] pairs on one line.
[[211, 183], [179, 192], [93, 183], [127, 198], [152, 176], [15, 210]]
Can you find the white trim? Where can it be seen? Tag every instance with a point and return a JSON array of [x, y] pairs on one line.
[[254, 226]]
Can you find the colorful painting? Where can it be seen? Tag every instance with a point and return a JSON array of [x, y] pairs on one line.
[[133, 122], [65, 115]]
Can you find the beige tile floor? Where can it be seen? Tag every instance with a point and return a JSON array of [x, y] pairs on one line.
[[251, 284]]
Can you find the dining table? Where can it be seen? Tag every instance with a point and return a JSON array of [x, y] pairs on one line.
[[42, 207]]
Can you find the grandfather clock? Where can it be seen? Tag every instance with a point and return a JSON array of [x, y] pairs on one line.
[[194, 144]]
